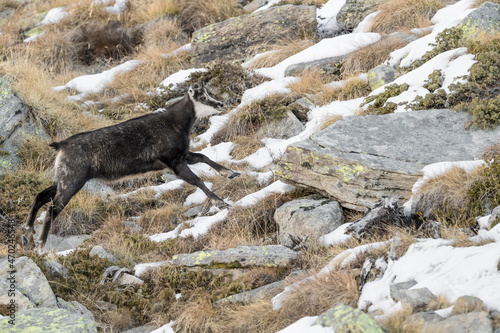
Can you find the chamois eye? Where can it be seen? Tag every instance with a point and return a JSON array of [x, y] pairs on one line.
[[203, 98]]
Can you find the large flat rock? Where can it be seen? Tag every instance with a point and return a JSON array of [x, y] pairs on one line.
[[366, 157], [246, 35], [242, 256]]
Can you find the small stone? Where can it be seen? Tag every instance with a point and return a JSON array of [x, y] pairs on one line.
[[314, 216], [54, 268], [474, 322], [128, 279], [106, 306], [344, 319], [266, 291], [417, 298], [424, 318], [397, 287], [466, 304], [495, 215], [381, 75], [100, 252], [194, 211], [141, 329]]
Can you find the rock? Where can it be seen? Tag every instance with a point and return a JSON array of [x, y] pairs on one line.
[[242, 256], [97, 187], [266, 291], [403, 36], [381, 214], [48, 320], [281, 129], [485, 20], [355, 11], [75, 308], [474, 322], [54, 268], [129, 280], [254, 5], [301, 107], [417, 298], [344, 319], [21, 301], [327, 66], [314, 216], [194, 211], [106, 306], [380, 75], [384, 158], [141, 329], [17, 124], [495, 215], [241, 37], [423, 318], [30, 281], [132, 225], [466, 304], [100, 252], [396, 288]]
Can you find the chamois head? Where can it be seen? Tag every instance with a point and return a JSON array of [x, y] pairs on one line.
[[204, 104]]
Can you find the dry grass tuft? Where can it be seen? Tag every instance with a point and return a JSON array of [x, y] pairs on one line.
[[444, 195], [397, 15], [310, 82], [366, 58], [440, 302], [398, 321], [280, 52], [245, 146], [163, 34], [320, 294], [162, 219], [330, 120], [353, 88], [469, 243], [146, 11], [198, 14]]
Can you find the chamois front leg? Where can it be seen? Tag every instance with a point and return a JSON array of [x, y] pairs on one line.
[[193, 158], [182, 171], [40, 199]]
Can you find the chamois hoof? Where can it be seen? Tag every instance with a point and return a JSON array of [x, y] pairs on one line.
[[234, 175]]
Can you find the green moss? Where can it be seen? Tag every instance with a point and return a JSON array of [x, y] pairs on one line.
[[446, 40], [380, 104]]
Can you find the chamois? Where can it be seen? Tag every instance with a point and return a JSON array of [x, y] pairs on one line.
[[147, 143]]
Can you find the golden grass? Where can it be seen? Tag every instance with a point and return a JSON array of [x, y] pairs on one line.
[[398, 15], [164, 34], [354, 88], [440, 302], [310, 82], [330, 120], [162, 219], [245, 146], [198, 14], [469, 243], [33, 86], [446, 193], [279, 52], [366, 58], [145, 11], [398, 321]]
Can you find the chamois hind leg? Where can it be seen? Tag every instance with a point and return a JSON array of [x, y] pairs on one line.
[[182, 171], [193, 158], [40, 199], [65, 191]]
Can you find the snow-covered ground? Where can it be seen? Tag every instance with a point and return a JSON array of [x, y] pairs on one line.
[[434, 264]]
